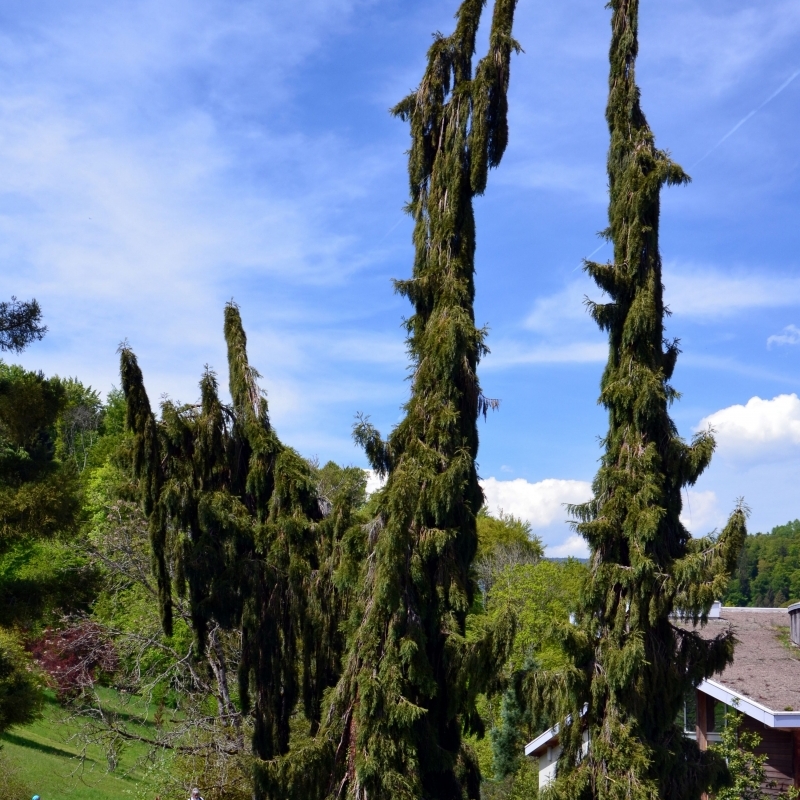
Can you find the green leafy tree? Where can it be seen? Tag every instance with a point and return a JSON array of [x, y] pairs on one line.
[[38, 493], [42, 572], [542, 595], [39, 505], [20, 689], [503, 541], [768, 573], [747, 774], [411, 676], [632, 664]]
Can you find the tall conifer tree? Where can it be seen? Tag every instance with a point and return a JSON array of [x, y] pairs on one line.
[[634, 663], [236, 523], [411, 677]]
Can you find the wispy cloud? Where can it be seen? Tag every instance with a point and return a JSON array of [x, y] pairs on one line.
[[699, 292], [586, 181], [703, 292], [508, 354], [748, 117], [790, 335]]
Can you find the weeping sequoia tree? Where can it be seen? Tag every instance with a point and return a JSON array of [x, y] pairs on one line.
[[633, 662], [236, 524]]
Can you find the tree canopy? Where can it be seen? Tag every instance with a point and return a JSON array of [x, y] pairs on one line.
[[20, 324]]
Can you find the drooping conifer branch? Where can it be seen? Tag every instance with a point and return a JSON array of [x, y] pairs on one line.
[[634, 662]]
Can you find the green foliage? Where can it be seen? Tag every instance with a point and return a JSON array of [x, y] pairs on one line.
[[768, 573], [745, 765], [543, 595], [506, 532], [38, 494], [43, 580], [20, 687], [507, 738], [42, 573], [523, 784], [631, 666], [20, 324], [503, 542], [80, 425]]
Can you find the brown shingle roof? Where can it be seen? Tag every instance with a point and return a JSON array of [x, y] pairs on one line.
[[766, 667]]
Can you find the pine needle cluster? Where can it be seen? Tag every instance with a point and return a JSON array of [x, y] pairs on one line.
[[633, 663]]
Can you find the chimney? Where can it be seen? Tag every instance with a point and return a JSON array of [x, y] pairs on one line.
[[794, 623]]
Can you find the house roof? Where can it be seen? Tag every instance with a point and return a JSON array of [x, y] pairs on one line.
[[766, 666]]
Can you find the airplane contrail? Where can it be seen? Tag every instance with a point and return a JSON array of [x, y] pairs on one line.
[[726, 136], [745, 119]]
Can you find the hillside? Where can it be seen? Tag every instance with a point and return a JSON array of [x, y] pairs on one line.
[[769, 569], [45, 759]]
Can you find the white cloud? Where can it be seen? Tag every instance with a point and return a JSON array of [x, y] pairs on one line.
[[552, 313], [709, 293], [573, 546], [541, 503], [757, 428], [374, 481], [701, 512], [790, 335]]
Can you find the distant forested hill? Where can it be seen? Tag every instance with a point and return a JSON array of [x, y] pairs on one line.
[[769, 569]]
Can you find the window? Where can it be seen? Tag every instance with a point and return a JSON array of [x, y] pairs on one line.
[[716, 715], [690, 712]]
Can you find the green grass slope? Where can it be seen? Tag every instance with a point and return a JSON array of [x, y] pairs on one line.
[[45, 756]]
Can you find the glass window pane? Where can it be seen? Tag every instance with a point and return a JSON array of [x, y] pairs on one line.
[[719, 715], [690, 712]]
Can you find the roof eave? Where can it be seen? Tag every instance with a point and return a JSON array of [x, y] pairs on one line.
[[750, 707]]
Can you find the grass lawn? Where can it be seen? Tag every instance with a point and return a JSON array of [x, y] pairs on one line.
[[47, 762]]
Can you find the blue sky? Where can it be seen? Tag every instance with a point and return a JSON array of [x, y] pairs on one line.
[[158, 159]]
